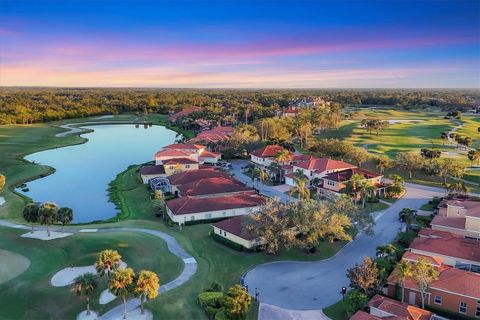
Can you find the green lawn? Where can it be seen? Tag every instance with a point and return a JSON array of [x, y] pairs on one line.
[[31, 296], [470, 129], [336, 311], [427, 207]]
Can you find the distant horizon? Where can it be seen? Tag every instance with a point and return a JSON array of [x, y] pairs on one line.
[[241, 44]]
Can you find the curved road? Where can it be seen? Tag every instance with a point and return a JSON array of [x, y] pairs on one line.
[[172, 245], [316, 285]]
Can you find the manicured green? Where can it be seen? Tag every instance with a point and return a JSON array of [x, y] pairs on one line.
[[337, 311], [31, 296]]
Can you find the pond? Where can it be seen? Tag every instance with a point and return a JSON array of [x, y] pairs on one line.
[[84, 171]]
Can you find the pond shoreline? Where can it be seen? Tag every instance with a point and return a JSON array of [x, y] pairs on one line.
[[49, 170]]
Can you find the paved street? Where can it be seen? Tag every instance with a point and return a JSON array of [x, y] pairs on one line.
[[263, 189], [315, 285]]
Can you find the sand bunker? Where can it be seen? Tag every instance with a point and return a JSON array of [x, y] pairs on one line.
[[42, 235], [12, 265], [66, 276], [83, 315], [2, 200]]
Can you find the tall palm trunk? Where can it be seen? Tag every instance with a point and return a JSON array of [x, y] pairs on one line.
[[32, 227], [88, 306], [48, 230], [124, 308], [141, 305], [403, 290]]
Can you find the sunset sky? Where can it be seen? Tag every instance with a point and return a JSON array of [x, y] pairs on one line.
[[240, 44]]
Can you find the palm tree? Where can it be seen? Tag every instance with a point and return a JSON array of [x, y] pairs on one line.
[[354, 185], [108, 261], [47, 214], [276, 170], [403, 272], [30, 213], [386, 251], [147, 285], [85, 286], [121, 284], [254, 174], [263, 176], [282, 156], [367, 189], [65, 216], [301, 188], [383, 162]]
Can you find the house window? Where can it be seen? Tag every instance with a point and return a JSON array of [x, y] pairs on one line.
[[438, 300], [192, 218], [208, 215], [477, 311], [330, 183], [225, 233], [187, 166], [463, 308], [171, 167]]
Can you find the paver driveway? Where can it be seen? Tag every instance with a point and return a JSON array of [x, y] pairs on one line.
[[315, 285]]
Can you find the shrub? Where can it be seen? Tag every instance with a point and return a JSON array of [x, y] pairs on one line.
[[221, 315], [211, 299], [405, 238], [215, 286]]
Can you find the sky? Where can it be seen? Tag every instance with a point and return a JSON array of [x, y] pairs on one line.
[[241, 44]]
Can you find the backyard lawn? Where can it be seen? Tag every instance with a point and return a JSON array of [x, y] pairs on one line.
[[31, 296]]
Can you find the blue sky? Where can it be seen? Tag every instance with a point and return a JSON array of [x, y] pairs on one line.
[[280, 44]]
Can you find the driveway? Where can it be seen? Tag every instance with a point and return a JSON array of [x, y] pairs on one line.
[[316, 285], [269, 191]]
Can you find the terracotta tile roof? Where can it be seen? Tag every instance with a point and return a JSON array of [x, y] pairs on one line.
[[234, 226], [398, 309], [472, 207], [188, 205], [152, 170], [291, 110], [183, 113], [457, 223], [194, 175], [346, 175], [323, 164], [184, 146], [362, 315], [455, 281], [179, 161], [413, 257], [214, 135], [449, 245], [299, 157], [208, 154], [268, 151], [209, 186], [172, 153]]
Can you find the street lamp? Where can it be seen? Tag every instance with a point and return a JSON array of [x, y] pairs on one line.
[[344, 290]]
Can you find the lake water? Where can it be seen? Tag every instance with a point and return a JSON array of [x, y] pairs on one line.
[[84, 171]]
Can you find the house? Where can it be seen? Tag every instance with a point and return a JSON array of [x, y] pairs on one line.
[[186, 150], [186, 177], [177, 117], [212, 186], [290, 112], [149, 172], [385, 308], [232, 229], [188, 208], [215, 135], [337, 181], [176, 165], [460, 217], [317, 168], [449, 249], [455, 290], [265, 156]]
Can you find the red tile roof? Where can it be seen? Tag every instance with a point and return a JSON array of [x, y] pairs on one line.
[[194, 175], [183, 113], [152, 170], [362, 315], [208, 154], [184, 146], [457, 223], [209, 186], [346, 175], [455, 281], [189, 205], [234, 226], [172, 153], [472, 207], [413, 257], [398, 309], [214, 135], [269, 151], [323, 164], [449, 245], [179, 161]]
